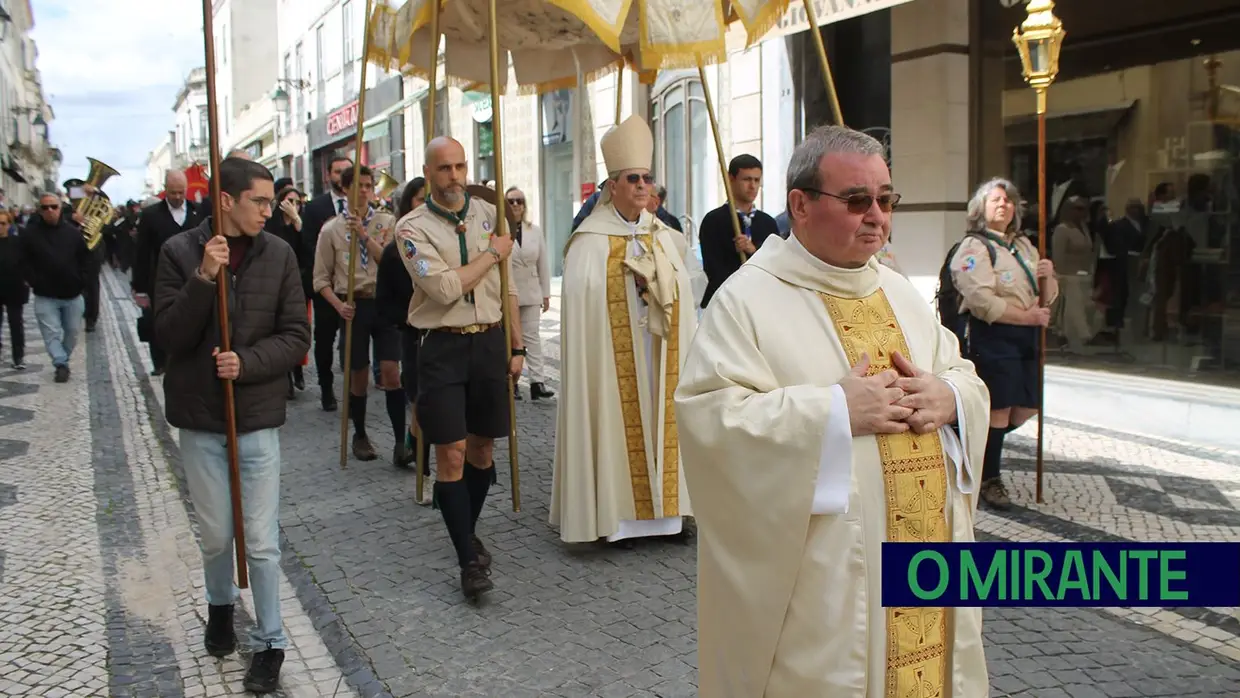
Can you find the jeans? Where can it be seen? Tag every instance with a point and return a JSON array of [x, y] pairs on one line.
[[60, 323], [205, 457]]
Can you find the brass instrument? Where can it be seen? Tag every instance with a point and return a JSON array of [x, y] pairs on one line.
[[96, 209], [385, 184]]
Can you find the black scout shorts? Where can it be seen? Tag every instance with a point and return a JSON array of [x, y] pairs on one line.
[[369, 326], [1006, 359], [463, 385]]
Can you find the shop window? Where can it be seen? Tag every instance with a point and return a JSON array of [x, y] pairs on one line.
[[684, 159], [484, 138]]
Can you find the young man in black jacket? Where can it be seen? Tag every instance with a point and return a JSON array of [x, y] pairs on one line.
[[721, 246], [270, 334], [57, 266]]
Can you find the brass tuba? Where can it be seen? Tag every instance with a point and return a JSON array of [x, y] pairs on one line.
[[96, 209], [385, 184]]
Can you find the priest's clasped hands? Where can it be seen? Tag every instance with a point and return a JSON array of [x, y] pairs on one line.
[[896, 400]]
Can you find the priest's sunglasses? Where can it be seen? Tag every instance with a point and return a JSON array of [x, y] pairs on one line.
[[634, 178], [859, 203]]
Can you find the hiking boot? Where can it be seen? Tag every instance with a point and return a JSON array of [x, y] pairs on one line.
[[363, 449], [539, 391], [484, 555], [264, 673], [62, 374], [220, 638], [475, 581], [995, 494]]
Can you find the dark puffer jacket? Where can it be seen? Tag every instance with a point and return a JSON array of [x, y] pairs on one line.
[[270, 332]]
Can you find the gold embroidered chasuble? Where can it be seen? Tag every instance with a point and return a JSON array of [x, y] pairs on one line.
[[617, 465], [789, 595]]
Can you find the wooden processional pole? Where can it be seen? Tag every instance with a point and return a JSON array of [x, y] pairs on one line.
[[359, 208], [432, 96], [221, 286], [501, 229]]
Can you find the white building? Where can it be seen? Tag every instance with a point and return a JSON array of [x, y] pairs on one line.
[[28, 163], [245, 57], [190, 133], [158, 162]]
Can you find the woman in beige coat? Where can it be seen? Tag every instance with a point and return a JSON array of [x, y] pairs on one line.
[[531, 273]]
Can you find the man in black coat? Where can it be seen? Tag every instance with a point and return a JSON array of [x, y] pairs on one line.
[[721, 247], [327, 322], [157, 224], [57, 266]]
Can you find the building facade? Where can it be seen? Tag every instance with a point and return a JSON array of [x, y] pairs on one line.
[[190, 133], [29, 164]]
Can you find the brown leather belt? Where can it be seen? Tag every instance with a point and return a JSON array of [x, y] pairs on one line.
[[469, 329]]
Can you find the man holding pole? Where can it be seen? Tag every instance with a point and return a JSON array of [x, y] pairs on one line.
[[452, 252], [270, 334]]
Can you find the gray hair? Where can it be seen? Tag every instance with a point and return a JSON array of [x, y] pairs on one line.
[[803, 172], [975, 218]]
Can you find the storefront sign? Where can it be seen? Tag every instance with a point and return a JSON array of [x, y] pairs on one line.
[[587, 190], [829, 12], [343, 118]]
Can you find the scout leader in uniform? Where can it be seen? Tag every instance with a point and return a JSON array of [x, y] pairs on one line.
[[331, 282], [452, 252]]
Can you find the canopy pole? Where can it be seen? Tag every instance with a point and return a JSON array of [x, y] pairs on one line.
[[823, 64], [723, 163], [619, 93], [359, 209], [501, 229], [432, 96]]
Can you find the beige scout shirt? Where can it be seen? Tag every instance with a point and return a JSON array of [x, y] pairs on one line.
[[986, 290], [331, 257], [431, 250]]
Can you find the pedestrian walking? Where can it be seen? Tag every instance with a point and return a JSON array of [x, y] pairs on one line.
[[57, 265], [451, 249], [14, 293], [270, 334]]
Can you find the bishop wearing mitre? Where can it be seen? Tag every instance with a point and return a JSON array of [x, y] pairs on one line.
[[626, 317], [823, 410]]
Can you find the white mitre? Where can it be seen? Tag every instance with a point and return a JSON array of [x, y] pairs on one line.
[[629, 146]]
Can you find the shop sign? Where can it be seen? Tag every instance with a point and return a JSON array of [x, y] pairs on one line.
[[342, 119], [587, 190]]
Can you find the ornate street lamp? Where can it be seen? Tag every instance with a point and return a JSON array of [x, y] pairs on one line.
[[280, 99], [1038, 39]]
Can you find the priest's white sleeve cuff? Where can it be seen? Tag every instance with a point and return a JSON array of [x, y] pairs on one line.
[[834, 483], [957, 448]]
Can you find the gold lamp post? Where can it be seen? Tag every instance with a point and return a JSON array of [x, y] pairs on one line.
[[1038, 39]]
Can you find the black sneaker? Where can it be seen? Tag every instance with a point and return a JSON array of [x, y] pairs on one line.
[[220, 638], [264, 673], [62, 374]]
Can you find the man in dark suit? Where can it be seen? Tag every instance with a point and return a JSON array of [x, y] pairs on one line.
[[721, 247], [1122, 240], [327, 322], [76, 190], [156, 225]]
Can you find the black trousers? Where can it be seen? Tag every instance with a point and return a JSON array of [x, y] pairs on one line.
[[91, 295], [17, 329], [327, 324]]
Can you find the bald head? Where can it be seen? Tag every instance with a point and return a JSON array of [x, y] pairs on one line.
[[446, 171], [238, 153], [175, 185]]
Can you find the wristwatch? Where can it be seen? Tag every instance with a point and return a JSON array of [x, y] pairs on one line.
[[494, 253], [519, 351]]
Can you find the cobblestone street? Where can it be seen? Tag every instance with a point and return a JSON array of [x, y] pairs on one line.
[[101, 586]]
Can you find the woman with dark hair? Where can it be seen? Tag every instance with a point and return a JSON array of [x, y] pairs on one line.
[[393, 291], [285, 223]]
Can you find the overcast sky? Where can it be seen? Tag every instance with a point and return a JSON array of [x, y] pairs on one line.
[[111, 70]]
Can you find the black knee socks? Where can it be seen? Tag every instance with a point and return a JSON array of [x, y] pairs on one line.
[[357, 413], [396, 409], [454, 504], [994, 451], [479, 481]]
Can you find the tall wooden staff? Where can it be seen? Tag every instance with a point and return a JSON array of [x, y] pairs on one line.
[[431, 97], [359, 207], [221, 303], [501, 229]]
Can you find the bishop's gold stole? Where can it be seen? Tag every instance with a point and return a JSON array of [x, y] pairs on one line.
[[623, 343], [915, 484]]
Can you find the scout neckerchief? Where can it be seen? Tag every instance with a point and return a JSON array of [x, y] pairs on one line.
[[1011, 247], [363, 253], [457, 219]]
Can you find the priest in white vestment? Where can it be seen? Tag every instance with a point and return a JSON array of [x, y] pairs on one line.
[[816, 409], [626, 314]]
